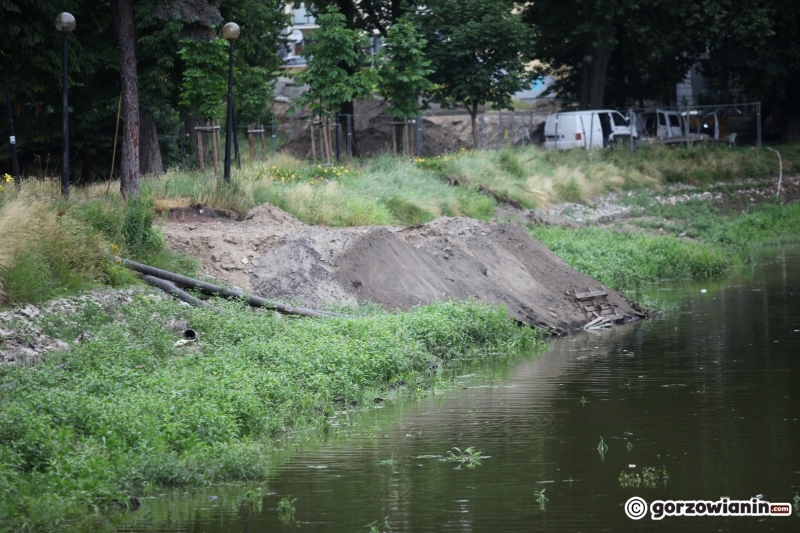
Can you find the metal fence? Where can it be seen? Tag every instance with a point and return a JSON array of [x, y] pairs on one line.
[[439, 133], [368, 135], [694, 125]]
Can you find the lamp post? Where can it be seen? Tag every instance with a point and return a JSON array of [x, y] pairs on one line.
[[65, 23], [230, 31]]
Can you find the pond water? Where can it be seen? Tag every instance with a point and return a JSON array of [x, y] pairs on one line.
[[708, 393]]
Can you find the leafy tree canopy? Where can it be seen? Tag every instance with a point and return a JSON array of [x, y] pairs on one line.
[[403, 69], [479, 51], [333, 53]]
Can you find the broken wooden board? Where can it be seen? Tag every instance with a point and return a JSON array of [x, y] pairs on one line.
[[594, 303]]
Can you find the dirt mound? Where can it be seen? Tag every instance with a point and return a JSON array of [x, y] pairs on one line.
[[446, 259], [276, 256]]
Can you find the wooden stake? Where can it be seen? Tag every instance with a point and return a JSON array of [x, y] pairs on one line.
[[215, 148], [406, 141], [394, 138], [313, 145], [263, 147], [201, 152], [252, 144], [328, 141]]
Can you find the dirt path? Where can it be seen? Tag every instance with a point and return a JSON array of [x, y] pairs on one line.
[[276, 256]]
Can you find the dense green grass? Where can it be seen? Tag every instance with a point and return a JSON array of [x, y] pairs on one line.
[[627, 259], [129, 410], [390, 190], [50, 246], [737, 233]]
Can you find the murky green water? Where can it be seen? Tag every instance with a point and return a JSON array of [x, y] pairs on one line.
[[710, 394]]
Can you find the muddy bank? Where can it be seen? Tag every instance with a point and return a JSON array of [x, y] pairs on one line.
[[276, 256]]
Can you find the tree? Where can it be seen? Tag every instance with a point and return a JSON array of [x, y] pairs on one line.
[[402, 70], [334, 51], [755, 46], [205, 79], [130, 177], [479, 50], [624, 48]]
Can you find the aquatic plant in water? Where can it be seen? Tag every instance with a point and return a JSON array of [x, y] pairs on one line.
[[602, 448], [540, 498], [469, 457], [649, 478], [374, 527], [286, 508]]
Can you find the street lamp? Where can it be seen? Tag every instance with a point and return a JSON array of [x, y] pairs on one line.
[[65, 23], [230, 31]]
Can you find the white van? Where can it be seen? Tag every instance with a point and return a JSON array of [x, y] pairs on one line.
[[660, 124], [585, 129]]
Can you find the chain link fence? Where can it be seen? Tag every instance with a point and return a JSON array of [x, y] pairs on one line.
[[442, 132]]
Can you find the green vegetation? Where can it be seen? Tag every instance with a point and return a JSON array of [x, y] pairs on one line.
[[388, 190], [540, 498], [129, 410], [695, 240], [286, 507], [737, 234], [629, 259], [469, 457], [649, 478], [63, 245], [55, 246]]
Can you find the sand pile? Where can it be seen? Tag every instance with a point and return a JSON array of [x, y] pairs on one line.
[[276, 256]]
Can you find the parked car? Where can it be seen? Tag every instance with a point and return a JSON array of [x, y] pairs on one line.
[[586, 129], [294, 62]]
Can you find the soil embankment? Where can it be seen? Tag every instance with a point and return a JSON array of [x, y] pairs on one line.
[[276, 256]]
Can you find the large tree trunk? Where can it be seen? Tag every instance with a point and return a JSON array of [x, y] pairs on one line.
[[473, 116], [585, 76], [599, 67], [347, 108], [129, 171], [149, 151]]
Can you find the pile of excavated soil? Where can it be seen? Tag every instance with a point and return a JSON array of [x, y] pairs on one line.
[[276, 256]]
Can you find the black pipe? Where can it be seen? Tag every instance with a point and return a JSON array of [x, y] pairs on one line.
[[210, 288], [172, 290], [12, 138]]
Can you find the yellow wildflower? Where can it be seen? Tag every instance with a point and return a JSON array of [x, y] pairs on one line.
[[114, 249], [8, 178]]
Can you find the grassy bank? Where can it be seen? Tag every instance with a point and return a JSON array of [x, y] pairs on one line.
[[50, 246], [130, 410], [387, 190], [695, 240]]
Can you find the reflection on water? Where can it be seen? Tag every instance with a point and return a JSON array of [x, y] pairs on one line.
[[706, 394]]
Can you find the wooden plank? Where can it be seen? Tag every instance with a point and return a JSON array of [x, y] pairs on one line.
[[588, 295], [593, 322], [588, 308], [607, 312]]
